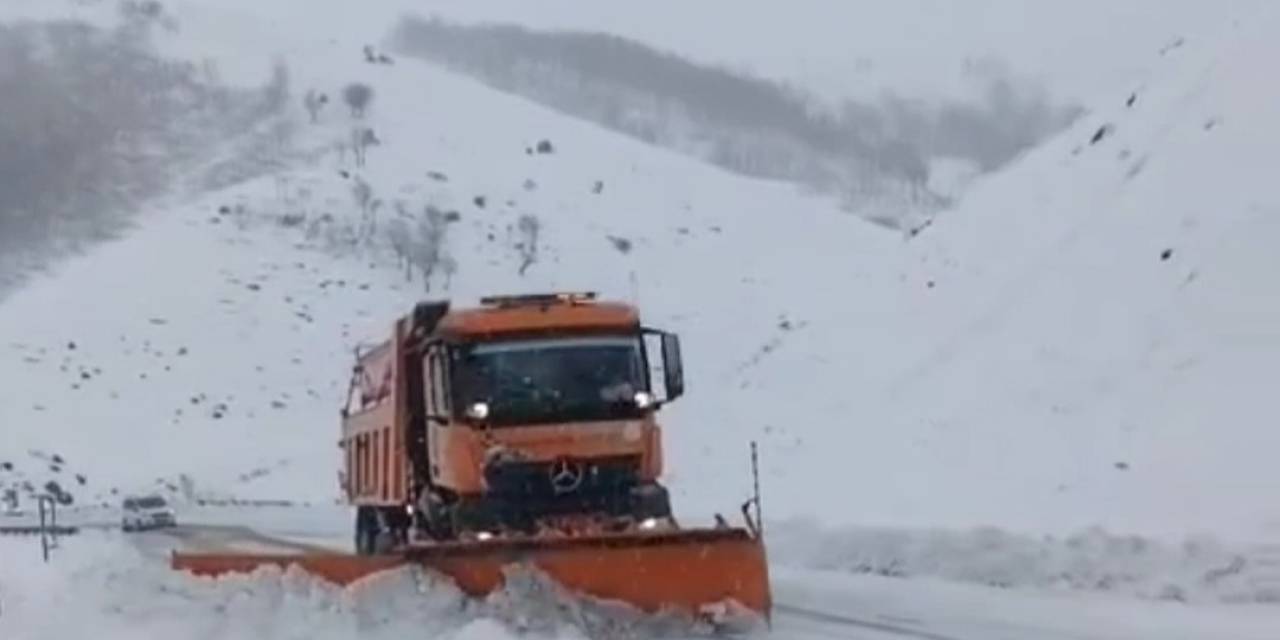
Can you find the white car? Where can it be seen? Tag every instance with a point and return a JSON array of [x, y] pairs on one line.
[[146, 512]]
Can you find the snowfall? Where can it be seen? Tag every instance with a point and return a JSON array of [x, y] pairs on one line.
[[1033, 402]]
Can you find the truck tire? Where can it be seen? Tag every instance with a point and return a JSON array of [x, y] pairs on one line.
[[380, 530], [366, 531], [384, 542], [392, 530], [473, 515], [435, 517], [650, 501]]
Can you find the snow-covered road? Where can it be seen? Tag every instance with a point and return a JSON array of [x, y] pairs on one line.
[[122, 582], [127, 580], [827, 604]]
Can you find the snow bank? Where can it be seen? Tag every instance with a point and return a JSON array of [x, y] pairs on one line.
[[118, 592], [1198, 570]]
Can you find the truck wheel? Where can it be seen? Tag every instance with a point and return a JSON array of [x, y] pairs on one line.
[[475, 515], [384, 542], [392, 527], [650, 501], [435, 518], [366, 531]]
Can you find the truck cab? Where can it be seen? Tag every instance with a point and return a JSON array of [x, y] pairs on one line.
[[523, 413]]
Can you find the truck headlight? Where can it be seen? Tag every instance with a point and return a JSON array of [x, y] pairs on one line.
[[478, 410], [643, 399]]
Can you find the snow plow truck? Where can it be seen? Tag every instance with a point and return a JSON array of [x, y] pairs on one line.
[[522, 432]]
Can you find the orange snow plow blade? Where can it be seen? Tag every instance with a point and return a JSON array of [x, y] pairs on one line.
[[692, 571]]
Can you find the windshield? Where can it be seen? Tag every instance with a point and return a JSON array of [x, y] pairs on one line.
[[152, 502], [534, 381]]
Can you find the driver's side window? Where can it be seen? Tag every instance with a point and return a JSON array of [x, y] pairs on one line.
[[437, 382]]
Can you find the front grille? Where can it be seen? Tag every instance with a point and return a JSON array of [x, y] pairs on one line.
[[564, 479]]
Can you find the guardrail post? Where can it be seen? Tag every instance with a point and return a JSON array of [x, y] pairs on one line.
[[48, 525], [44, 532]]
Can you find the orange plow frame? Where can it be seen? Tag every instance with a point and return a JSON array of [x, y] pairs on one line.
[[683, 570]]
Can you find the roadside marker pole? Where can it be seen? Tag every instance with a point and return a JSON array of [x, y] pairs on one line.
[[44, 532]]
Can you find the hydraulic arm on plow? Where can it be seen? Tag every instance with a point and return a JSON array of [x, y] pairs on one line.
[[523, 432]]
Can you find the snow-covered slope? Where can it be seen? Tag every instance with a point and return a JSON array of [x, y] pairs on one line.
[[862, 49], [215, 342], [1101, 321], [841, 49], [1033, 362]]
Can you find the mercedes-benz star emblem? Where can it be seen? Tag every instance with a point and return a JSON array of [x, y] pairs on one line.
[[565, 476]]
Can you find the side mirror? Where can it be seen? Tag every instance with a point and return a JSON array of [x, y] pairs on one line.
[[666, 370], [673, 366]]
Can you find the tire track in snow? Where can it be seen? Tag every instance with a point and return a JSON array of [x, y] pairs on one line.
[[861, 623]]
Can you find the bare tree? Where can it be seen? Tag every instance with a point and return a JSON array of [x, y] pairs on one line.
[[361, 139], [357, 96], [314, 101], [427, 249], [372, 215], [398, 236], [282, 131], [528, 227], [341, 238], [449, 267], [278, 90], [362, 193]]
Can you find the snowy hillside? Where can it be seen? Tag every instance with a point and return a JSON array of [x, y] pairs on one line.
[[1086, 341], [96, 121], [838, 50], [221, 332], [858, 107], [1101, 320]]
